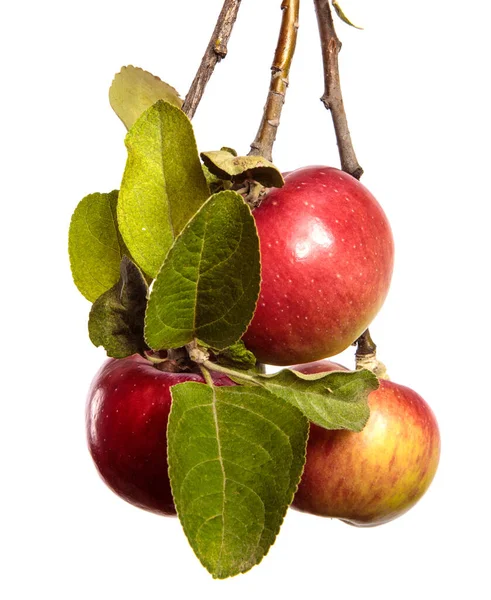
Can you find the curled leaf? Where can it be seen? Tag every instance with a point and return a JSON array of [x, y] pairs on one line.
[[117, 317], [341, 14], [225, 165]]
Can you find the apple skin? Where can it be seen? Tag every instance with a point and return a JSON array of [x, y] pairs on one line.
[[126, 424], [371, 477], [326, 264]]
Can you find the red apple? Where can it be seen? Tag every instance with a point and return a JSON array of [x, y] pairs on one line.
[[326, 265], [371, 477], [126, 419]]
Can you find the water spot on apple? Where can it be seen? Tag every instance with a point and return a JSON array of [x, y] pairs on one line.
[[336, 191], [144, 228], [306, 203]]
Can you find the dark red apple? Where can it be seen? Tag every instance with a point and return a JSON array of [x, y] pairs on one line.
[[126, 419], [326, 265], [371, 477]]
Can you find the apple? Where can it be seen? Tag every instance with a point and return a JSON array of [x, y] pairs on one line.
[[371, 477], [326, 265], [126, 422]]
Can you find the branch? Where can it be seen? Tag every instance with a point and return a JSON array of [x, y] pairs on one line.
[[366, 351], [332, 97], [280, 70], [216, 50]]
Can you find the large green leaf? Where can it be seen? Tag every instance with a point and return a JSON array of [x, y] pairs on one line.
[[117, 316], [209, 282], [95, 245], [163, 184], [235, 459], [334, 400], [133, 90]]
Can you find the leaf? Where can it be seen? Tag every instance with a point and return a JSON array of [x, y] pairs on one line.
[[235, 459], [334, 400], [117, 317], [133, 90], [342, 15], [163, 184], [237, 356], [225, 165], [215, 184], [208, 285], [95, 245]]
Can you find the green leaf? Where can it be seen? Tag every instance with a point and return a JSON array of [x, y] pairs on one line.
[[235, 459], [342, 15], [163, 184], [225, 165], [95, 245], [117, 317], [133, 90], [334, 400], [208, 285], [237, 356]]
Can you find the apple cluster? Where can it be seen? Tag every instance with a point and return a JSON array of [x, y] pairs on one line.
[[326, 264]]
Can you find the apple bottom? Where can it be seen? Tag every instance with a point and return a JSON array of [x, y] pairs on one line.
[[371, 477], [126, 422]]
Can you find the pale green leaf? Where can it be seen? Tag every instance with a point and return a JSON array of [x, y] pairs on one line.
[[342, 15], [163, 184], [209, 282], [133, 90], [95, 245], [235, 459]]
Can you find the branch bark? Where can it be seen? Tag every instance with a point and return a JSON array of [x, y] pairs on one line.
[[366, 351], [280, 70], [216, 50], [332, 97]]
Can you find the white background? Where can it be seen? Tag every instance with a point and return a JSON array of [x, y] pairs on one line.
[[415, 86]]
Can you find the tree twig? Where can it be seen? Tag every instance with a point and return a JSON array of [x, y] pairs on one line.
[[216, 50], [332, 97], [280, 70], [366, 349]]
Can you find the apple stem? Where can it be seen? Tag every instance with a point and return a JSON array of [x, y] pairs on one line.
[[332, 97], [215, 51], [280, 70], [366, 356]]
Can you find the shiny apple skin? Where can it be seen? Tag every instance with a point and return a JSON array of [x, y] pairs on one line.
[[371, 477], [326, 264], [127, 411]]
